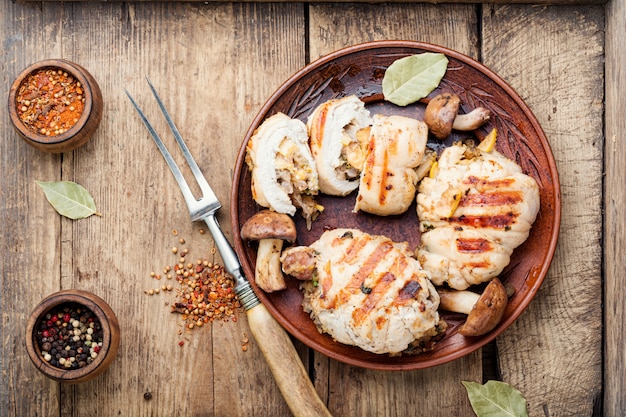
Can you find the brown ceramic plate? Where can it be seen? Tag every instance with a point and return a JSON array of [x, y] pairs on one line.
[[359, 70]]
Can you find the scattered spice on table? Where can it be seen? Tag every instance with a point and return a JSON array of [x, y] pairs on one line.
[[245, 342], [204, 292], [50, 101], [70, 336]]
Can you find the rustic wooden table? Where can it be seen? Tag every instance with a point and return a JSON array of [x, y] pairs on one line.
[[216, 63]]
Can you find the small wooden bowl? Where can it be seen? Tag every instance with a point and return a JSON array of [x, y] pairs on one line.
[[81, 131], [110, 335]]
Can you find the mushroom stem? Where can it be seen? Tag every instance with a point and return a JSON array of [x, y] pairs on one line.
[[270, 229], [268, 274], [484, 311], [472, 120], [457, 301], [441, 116]]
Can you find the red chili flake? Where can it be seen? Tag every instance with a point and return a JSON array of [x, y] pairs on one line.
[[181, 343], [50, 101], [205, 294]]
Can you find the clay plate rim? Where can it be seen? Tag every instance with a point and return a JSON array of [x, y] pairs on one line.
[[358, 70]]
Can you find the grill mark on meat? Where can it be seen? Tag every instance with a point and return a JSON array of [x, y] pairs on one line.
[[377, 255], [384, 187], [473, 245], [379, 290], [354, 250], [357, 280], [371, 158], [482, 184], [408, 292], [327, 283], [321, 122], [483, 264], [500, 198], [496, 221]]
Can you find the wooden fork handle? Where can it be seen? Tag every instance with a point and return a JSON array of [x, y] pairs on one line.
[[285, 363]]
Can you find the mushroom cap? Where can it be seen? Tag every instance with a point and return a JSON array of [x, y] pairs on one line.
[[268, 224], [488, 310], [440, 114]]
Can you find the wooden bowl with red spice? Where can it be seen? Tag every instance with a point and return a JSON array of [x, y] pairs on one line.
[[55, 105], [72, 336]]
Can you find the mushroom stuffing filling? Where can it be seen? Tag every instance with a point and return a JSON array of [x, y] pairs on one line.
[[293, 175], [352, 152]]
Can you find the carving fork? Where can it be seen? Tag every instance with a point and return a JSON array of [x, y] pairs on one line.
[[272, 339]]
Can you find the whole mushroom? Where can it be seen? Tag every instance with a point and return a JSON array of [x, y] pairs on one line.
[[442, 116], [270, 229], [484, 311]]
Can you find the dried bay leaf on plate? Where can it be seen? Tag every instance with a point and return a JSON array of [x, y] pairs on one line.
[[496, 399], [413, 77], [68, 198]]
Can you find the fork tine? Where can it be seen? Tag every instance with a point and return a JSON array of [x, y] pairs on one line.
[[197, 173], [184, 187]]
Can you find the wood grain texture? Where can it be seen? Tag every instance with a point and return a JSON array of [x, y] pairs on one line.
[[574, 2], [560, 77], [334, 26], [215, 64], [197, 62], [289, 372], [30, 232], [615, 221]]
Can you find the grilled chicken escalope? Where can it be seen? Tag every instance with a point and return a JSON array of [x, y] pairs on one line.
[[474, 210], [395, 147], [366, 291]]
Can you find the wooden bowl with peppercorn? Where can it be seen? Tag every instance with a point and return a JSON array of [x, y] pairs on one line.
[[55, 105], [72, 336]]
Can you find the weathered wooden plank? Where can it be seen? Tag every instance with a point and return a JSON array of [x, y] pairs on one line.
[[235, 62], [201, 57], [30, 228], [554, 58], [572, 2], [614, 203], [354, 391]]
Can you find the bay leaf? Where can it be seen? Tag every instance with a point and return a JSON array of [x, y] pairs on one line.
[[69, 199], [412, 78], [496, 399]]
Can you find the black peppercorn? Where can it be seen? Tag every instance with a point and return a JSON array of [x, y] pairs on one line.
[[69, 337]]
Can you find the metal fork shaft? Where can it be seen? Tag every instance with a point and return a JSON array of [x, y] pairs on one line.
[[247, 297], [203, 208], [274, 342]]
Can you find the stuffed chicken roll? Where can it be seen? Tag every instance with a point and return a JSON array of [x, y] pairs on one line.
[[284, 177], [335, 145]]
